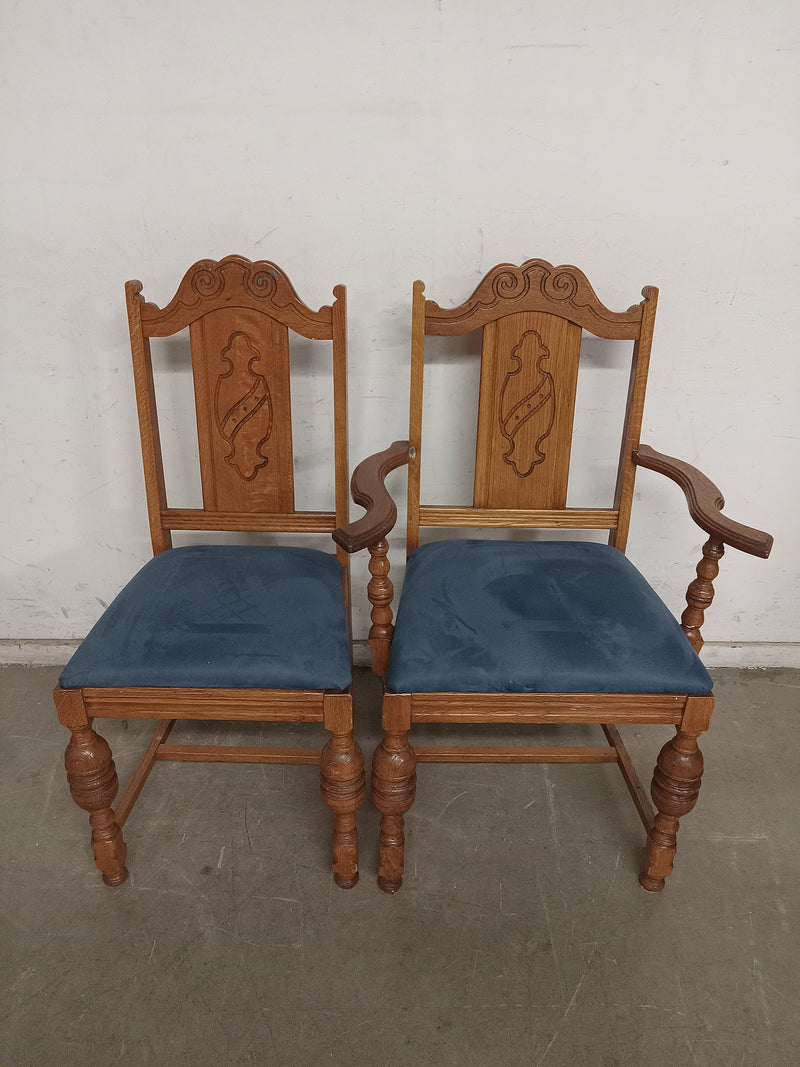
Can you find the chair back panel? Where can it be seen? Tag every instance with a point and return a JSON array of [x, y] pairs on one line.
[[529, 373], [240, 362], [239, 315], [532, 318]]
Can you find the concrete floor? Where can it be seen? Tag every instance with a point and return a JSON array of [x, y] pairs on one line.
[[520, 936]]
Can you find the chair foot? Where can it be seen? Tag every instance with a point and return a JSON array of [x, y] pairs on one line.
[[392, 853], [345, 848], [346, 883], [118, 880], [93, 783]]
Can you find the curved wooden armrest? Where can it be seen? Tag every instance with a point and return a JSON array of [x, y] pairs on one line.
[[705, 502], [370, 492]]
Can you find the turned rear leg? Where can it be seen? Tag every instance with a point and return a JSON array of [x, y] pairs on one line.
[[394, 783], [342, 782], [675, 788]]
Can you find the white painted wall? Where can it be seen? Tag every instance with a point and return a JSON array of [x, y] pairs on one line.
[[372, 144]]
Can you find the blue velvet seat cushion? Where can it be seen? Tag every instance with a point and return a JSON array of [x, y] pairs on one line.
[[222, 616], [536, 617]]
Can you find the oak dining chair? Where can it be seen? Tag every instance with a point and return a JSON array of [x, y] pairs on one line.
[[233, 632], [543, 629]]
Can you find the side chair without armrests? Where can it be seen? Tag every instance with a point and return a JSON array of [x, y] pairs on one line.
[[536, 631], [227, 632]]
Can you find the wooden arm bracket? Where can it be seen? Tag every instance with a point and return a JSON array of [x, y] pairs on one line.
[[705, 506], [705, 503], [368, 489], [370, 532]]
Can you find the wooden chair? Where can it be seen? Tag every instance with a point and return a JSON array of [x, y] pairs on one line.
[[227, 632], [536, 631]]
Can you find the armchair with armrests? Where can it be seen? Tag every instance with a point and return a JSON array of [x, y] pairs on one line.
[[536, 631]]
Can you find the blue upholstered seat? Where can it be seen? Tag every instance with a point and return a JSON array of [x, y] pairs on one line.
[[536, 617], [222, 616]]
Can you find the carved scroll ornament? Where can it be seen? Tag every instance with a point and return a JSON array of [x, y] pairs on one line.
[[243, 407], [527, 421], [535, 286], [235, 281]]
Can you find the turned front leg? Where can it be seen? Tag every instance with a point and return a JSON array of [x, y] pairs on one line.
[[342, 782], [675, 788], [93, 783], [394, 783]]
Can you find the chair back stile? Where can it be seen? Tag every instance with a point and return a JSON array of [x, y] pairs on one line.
[[239, 316], [531, 319], [634, 410]]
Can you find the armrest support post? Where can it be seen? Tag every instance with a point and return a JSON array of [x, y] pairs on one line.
[[705, 506], [380, 593], [701, 592], [367, 485]]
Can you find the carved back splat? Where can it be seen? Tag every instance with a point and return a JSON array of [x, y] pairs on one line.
[[529, 372], [240, 360]]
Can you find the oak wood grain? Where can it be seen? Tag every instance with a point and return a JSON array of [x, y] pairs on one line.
[[341, 456], [547, 707], [226, 705], [238, 754], [418, 331], [495, 518], [632, 422], [240, 362], [149, 433], [529, 375], [295, 522], [514, 754]]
